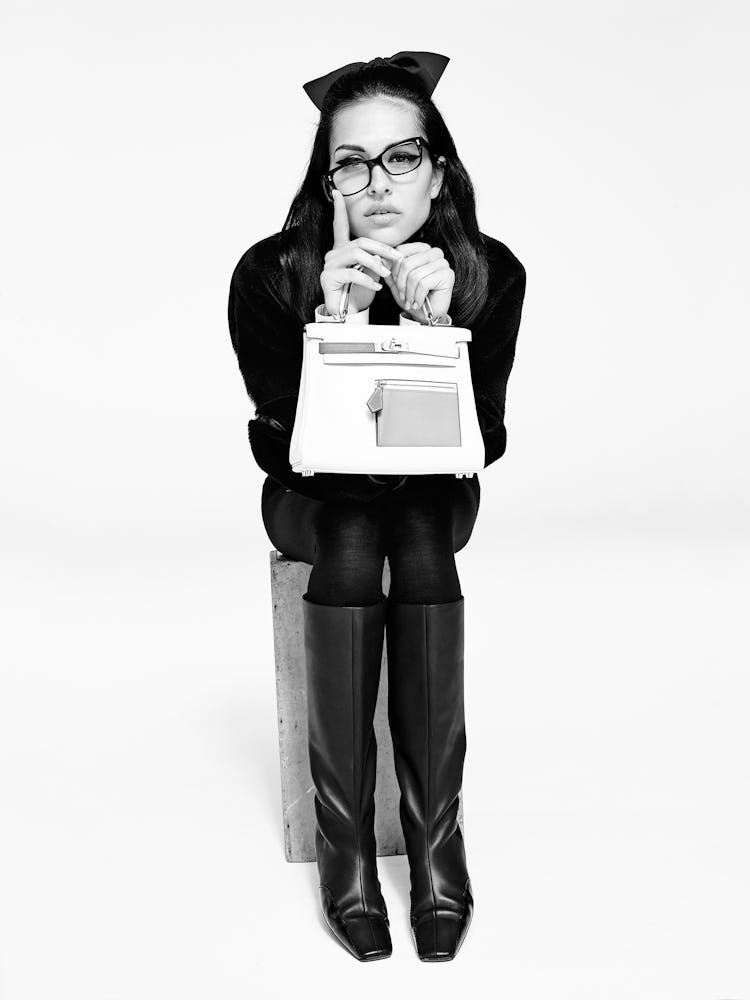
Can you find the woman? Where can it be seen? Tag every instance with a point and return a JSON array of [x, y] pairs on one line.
[[387, 206]]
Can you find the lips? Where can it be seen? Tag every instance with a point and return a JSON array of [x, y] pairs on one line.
[[382, 210]]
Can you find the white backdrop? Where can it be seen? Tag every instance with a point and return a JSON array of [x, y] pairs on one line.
[[146, 146]]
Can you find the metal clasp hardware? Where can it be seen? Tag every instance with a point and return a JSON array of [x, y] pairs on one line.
[[394, 345]]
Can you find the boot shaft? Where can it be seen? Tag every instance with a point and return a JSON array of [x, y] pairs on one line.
[[343, 655], [425, 645]]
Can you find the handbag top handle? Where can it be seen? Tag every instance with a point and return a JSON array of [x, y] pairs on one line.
[[344, 304]]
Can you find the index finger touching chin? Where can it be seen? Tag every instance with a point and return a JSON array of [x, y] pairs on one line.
[[340, 220]]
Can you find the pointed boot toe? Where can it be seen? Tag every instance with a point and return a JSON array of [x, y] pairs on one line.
[[367, 937], [370, 938], [438, 936]]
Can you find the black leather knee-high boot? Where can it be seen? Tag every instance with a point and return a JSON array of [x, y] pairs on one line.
[[343, 650], [425, 645]]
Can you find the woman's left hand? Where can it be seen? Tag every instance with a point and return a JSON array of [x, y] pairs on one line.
[[422, 269]]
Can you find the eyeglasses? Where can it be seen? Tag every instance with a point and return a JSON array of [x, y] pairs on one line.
[[354, 175]]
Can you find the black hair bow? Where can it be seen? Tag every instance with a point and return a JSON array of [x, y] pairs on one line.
[[428, 67]]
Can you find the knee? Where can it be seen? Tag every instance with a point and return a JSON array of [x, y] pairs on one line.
[[349, 558], [350, 531]]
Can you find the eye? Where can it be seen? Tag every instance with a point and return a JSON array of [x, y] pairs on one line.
[[406, 155]]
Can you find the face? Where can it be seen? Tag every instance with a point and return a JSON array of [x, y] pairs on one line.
[[372, 125]]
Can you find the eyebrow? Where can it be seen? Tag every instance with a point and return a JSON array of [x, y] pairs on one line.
[[361, 149]]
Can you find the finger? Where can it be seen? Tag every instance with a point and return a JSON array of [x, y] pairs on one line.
[[380, 267], [375, 246], [396, 267], [414, 254], [345, 255], [346, 274], [395, 293], [340, 220], [408, 249], [333, 279], [392, 285], [413, 262], [413, 279], [423, 280]]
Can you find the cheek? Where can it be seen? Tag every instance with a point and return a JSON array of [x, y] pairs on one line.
[[420, 196]]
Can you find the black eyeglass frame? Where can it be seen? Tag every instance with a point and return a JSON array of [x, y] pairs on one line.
[[328, 177]]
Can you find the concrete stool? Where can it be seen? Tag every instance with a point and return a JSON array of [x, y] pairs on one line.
[[289, 580]]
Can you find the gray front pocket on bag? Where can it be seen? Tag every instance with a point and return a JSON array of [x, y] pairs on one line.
[[409, 413]]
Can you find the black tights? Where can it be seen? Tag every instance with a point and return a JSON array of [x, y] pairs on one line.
[[419, 527]]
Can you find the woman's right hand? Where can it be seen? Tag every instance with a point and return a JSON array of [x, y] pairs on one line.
[[343, 260]]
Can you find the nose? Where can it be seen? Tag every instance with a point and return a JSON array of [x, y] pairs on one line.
[[380, 179]]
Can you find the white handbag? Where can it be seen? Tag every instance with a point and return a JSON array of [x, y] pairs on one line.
[[386, 399]]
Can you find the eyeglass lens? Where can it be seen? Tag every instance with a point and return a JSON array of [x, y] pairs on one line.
[[354, 174]]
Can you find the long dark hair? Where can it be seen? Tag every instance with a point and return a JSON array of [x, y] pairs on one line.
[[452, 223]]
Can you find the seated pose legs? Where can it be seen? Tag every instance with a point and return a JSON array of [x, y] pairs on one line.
[[425, 640], [345, 614]]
